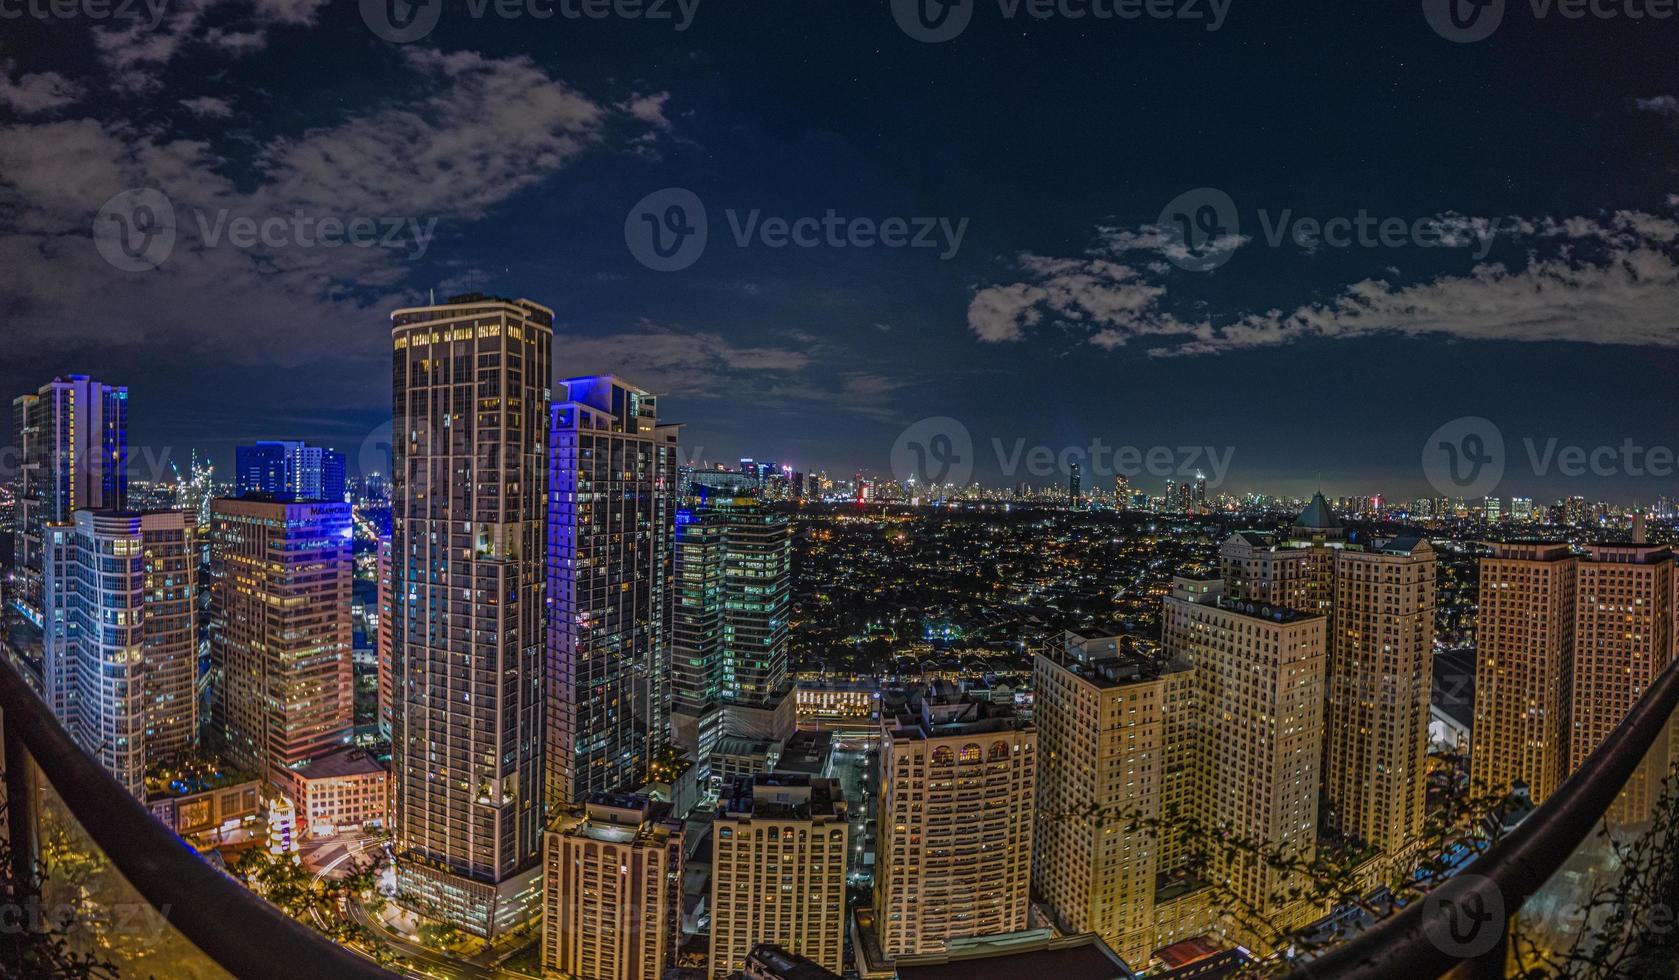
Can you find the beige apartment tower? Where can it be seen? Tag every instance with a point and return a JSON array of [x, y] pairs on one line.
[[1380, 677], [469, 482], [1378, 597], [1255, 769], [1524, 645], [612, 890], [957, 794], [778, 870], [1113, 747], [280, 630]]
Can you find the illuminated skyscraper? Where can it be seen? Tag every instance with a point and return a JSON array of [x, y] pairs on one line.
[[280, 630], [612, 905], [382, 646], [611, 525], [1524, 644], [126, 659], [1111, 727], [1254, 770], [1075, 489], [73, 455], [469, 487], [733, 592], [957, 792], [1379, 596]]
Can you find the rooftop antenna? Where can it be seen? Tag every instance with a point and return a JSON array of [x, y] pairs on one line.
[[433, 297]]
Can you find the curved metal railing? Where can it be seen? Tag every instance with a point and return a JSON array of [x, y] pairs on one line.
[[1463, 928], [234, 929]]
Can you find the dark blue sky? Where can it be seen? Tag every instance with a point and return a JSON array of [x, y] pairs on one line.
[[1059, 142]]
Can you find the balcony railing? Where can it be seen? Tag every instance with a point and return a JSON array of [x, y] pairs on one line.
[[1586, 886], [94, 879]]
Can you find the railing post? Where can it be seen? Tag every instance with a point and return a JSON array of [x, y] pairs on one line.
[[23, 806]]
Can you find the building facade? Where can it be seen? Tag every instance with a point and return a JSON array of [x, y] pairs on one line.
[[289, 470], [280, 630], [778, 871], [611, 525], [73, 455], [1112, 747], [470, 396], [123, 666], [957, 792], [612, 890]]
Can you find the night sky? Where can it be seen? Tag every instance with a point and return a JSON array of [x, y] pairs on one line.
[[1065, 314]]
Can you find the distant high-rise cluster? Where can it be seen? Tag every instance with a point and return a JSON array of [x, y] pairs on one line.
[[289, 471]]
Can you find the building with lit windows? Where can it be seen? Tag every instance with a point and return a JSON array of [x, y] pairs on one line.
[[778, 871], [1257, 740], [280, 630], [957, 793], [1379, 598], [611, 524], [1524, 642], [469, 484], [1113, 742], [124, 664], [343, 790], [612, 890], [73, 455], [734, 568], [289, 470]]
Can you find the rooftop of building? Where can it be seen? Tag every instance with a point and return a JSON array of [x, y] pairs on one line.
[[806, 752], [793, 796], [944, 712], [1108, 661], [742, 746], [620, 818], [349, 760], [1019, 956], [1317, 515]]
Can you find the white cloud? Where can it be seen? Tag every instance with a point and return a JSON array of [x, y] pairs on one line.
[[1611, 279], [1665, 105], [208, 107], [37, 93]]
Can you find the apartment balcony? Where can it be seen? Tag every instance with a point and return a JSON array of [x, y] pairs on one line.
[[1586, 885], [94, 879]]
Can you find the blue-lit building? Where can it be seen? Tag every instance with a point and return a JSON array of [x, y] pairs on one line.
[[73, 437], [611, 521], [289, 471]]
